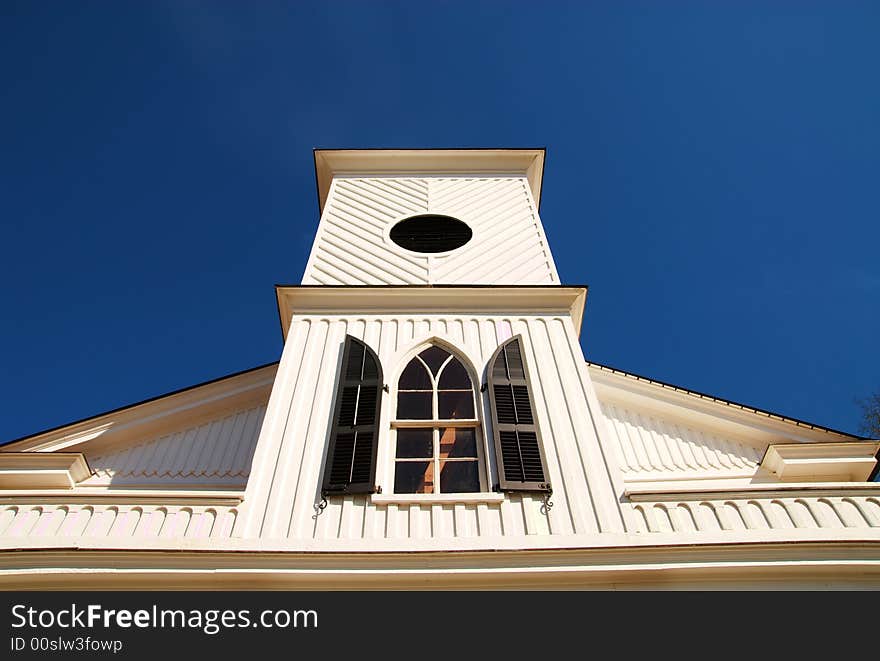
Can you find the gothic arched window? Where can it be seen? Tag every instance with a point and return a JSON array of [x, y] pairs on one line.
[[438, 448]]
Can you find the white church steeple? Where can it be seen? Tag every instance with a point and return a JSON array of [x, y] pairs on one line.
[[367, 195]]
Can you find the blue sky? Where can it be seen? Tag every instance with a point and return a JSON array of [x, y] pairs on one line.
[[712, 173]]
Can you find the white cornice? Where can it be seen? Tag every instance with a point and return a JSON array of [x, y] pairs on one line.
[[40, 470], [117, 496], [655, 491], [798, 557], [428, 299], [330, 162], [842, 462]]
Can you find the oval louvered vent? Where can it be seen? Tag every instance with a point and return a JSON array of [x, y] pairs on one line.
[[430, 233]]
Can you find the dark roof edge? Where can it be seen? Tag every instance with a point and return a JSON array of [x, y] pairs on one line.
[[728, 402], [143, 401], [431, 286]]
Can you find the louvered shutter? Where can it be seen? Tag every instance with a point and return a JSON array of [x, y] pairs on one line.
[[351, 457], [518, 449]]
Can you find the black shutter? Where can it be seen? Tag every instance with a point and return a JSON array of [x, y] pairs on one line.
[[351, 457], [518, 450]]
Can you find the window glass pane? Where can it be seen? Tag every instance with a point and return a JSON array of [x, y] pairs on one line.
[[459, 477], [455, 405], [414, 405], [415, 443], [454, 377], [434, 357], [414, 477], [457, 442], [414, 377]]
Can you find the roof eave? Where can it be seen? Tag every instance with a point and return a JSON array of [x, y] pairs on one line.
[[524, 161]]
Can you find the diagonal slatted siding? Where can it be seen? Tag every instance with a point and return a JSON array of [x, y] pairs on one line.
[[350, 246], [507, 233], [508, 244]]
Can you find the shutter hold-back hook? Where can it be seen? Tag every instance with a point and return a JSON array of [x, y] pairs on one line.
[[548, 504]]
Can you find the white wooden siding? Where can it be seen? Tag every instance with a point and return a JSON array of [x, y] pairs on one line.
[[648, 445], [758, 512], [508, 244], [115, 521], [284, 489], [217, 451]]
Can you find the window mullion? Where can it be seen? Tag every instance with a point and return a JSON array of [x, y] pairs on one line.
[[436, 460]]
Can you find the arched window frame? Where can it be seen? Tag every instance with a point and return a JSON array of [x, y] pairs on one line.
[[387, 456]]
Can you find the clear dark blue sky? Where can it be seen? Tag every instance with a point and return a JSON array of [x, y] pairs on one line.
[[713, 173]]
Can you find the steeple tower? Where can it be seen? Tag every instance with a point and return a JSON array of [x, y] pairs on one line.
[[367, 198], [431, 382]]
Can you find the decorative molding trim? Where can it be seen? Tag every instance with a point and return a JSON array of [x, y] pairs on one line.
[[426, 162], [421, 299], [32, 471], [761, 490], [433, 499], [122, 496], [840, 462], [810, 562]]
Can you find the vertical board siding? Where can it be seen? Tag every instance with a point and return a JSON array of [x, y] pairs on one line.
[[352, 248], [296, 450]]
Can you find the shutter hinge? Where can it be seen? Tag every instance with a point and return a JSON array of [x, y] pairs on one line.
[[484, 387], [377, 488], [385, 387]]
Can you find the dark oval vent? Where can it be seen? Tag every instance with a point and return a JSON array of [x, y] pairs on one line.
[[431, 233]]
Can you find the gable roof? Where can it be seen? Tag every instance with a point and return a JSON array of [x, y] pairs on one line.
[[251, 378], [725, 402]]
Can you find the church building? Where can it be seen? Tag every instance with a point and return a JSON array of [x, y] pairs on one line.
[[433, 423]]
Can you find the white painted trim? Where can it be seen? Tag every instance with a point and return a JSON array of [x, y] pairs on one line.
[[749, 424], [743, 425], [140, 421], [695, 476], [347, 302], [339, 551], [386, 463], [163, 496], [766, 490], [41, 470], [554, 274], [853, 461], [435, 499], [425, 162]]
